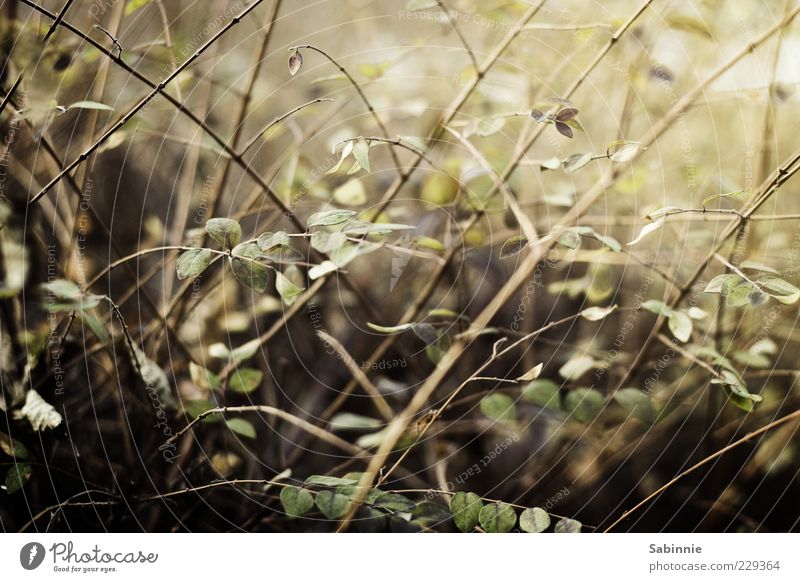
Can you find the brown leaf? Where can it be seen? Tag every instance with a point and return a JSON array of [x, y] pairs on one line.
[[295, 62]]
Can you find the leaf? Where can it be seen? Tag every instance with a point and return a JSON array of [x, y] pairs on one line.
[[622, 151], [225, 232], [193, 262], [270, 240], [359, 228], [757, 266], [326, 481], [584, 403], [351, 193], [332, 505], [466, 508], [286, 289], [245, 380], [576, 161], [350, 421], [361, 153], [12, 448], [647, 229], [567, 525], [245, 351], [327, 242], [544, 393], [17, 476], [497, 518], [570, 239], [576, 367], [390, 329], [321, 270], [534, 520], [513, 246], [713, 197], [418, 143], [134, 5], [566, 114], [680, 325], [564, 129], [90, 105], [717, 283], [203, 378], [393, 502], [296, 501], [295, 62], [430, 514], [246, 268], [426, 332], [597, 313], [696, 313], [637, 404], [531, 374], [689, 24], [347, 149], [38, 412], [63, 289], [242, 427], [499, 407], [781, 290]]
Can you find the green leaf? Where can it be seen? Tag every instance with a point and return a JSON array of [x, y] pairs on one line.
[[393, 502], [757, 266], [576, 367], [326, 481], [680, 325], [348, 252], [570, 239], [466, 508], [781, 290], [576, 161], [270, 240], [63, 289], [567, 525], [245, 380], [246, 268], [390, 329], [361, 153], [534, 520], [242, 427], [12, 448], [350, 421], [90, 105], [657, 307], [193, 262], [544, 393], [713, 197], [351, 193], [134, 5], [286, 289], [499, 407], [17, 476], [597, 313], [296, 501], [195, 408], [646, 230], [225, 232], [497, 518], [430, 514], [622, 151], [513, 246], [719, 282], [332, 505], [584, 403], [637, 404], [330, 217]]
